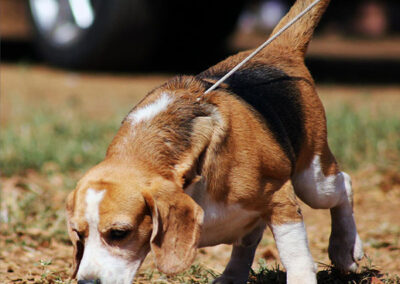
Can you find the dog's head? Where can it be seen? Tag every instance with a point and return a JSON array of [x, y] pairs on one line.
[[116, 218], [134, 201]]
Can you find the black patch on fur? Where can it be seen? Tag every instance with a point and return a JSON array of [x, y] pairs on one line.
[[274, 95]]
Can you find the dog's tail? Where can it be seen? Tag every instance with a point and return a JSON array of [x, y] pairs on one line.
[[297, 37]]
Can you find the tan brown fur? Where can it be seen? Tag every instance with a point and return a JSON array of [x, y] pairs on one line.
[[214, 142]]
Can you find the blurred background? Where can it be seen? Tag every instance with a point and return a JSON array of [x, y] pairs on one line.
[[72, 69], [140, 35]]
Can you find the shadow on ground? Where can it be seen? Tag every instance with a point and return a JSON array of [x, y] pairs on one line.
[[327, 276]]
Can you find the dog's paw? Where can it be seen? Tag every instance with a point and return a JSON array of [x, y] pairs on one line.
[[345, 252], [228, 279]]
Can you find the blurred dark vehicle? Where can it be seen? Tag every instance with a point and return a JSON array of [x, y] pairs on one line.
[[191, 35], [357, 18], [102, 33]]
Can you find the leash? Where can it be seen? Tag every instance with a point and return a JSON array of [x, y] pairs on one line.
[[268, 41]]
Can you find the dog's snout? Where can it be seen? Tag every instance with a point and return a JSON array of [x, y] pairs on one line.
[[93, 281]]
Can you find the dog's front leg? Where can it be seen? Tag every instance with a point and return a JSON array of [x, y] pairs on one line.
[[291, 241], [286, 223], [237, 270]]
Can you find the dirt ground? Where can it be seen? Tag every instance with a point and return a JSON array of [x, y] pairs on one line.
[[25, 258]]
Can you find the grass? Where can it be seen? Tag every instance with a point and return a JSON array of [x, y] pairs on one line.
[[50, 141], [360, 137], [328, 275], [48, 276], [35, 209], [47, 140], [44, 151], [196, 274]]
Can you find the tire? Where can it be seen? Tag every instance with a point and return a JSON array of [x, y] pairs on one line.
[[128, 33]]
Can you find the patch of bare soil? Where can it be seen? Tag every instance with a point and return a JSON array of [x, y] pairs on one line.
[[99, 94], [33, 255]]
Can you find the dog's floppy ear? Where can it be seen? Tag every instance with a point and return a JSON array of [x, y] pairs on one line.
[[188, 168], [177, 221], [77, 243]]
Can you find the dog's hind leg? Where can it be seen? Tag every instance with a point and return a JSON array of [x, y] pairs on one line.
[[237, 270], [323, 186], [286, 223]]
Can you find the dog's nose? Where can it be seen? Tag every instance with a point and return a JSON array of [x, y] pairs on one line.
[[94, 281]]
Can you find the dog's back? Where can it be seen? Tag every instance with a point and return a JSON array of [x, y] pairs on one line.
[[277, 85]]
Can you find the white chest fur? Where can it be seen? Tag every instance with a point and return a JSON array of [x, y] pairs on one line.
[[223, 223]]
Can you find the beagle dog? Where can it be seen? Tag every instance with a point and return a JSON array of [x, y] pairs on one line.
[[189, 170]]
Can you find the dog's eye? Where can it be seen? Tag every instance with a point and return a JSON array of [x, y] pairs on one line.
[[117, 235]]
